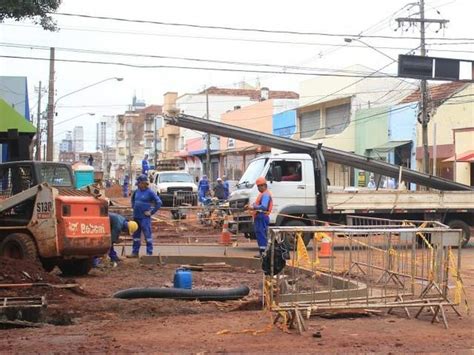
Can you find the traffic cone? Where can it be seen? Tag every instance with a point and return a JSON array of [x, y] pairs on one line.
[[325, 244], [325, 247], [224, 238]]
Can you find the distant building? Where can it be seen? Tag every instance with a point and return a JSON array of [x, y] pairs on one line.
[[66, 143], [134, 137], [78, 139]]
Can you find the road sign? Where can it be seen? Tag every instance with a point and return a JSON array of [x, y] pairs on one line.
[[432, 68]]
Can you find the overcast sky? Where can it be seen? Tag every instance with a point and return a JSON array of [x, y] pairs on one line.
[[371, 17]]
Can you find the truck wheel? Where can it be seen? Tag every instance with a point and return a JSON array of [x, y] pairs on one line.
[[19, 246], [466, 232], [76, 267], [290, 239]]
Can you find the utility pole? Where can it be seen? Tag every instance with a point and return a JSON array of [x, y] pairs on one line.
[[38, 125], [155, 146], [50, 120], [423, 117], [208, 141]]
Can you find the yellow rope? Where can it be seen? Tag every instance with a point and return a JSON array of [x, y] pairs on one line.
[[459, 289]]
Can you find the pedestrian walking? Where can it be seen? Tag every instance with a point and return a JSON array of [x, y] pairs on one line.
[[145, 165], [90, 160], [261, 209], [145, 203], [203, 189]]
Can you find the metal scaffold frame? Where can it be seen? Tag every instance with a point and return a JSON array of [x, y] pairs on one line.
[[365, 268]]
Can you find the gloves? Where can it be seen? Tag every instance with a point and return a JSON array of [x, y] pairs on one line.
[[147, 213]]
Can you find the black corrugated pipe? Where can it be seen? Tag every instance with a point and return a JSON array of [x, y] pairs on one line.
[[225, 294]]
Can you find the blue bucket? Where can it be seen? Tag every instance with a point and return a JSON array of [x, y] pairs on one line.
[[183, 278]]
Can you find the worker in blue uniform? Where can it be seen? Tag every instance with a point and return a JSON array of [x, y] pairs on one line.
[[203, 189], [118, 225], [261, 209], [125, 186], [145, 203], [145, 165]]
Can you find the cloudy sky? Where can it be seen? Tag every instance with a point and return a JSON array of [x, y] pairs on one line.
[[142, 47]]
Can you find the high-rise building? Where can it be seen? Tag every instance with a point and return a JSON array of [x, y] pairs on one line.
[[78, 139], [66, 143], [101, 138]]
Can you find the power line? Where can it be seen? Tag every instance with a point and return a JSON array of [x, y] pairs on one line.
[[244, 29], [142, 66], [254, 40], [155, 56]]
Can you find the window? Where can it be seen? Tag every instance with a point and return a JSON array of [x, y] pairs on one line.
[[175, 177], [285, 171], [56, 175], [14, 180], [337, 118], [310, 122]]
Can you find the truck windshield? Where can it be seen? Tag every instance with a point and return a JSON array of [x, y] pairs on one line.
[[253, 171], [56, 175], [175, 177]]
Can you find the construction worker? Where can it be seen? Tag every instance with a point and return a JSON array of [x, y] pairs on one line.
[[125, 186], [145, 203], [219, 190], [118, 225], [226, 188], [203, 189], [261, 208], [145, 165]]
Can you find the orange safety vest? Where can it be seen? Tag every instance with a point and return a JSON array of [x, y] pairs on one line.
[[259, 199]]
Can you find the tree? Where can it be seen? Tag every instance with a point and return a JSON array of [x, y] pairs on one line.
[[37, 10]]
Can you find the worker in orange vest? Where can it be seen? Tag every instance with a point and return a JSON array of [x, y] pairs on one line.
[[261, 208]]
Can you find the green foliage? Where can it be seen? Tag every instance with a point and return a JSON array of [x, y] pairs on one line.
[[37, 10]]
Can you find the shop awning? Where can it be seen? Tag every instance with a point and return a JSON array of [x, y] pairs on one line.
[[388, 146], [466, 157], [10, 119]]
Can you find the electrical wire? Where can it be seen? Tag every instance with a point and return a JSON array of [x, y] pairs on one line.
[[254, 40], [142, 66], [155, 56], [244, 29]]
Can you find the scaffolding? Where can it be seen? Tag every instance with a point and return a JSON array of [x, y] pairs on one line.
[[406, 266]]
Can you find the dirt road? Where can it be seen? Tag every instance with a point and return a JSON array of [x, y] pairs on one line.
[[92, 321]]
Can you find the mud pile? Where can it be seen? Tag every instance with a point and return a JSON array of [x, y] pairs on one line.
[[14, 271]]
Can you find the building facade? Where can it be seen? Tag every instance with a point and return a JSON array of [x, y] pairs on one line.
[[134, 139]]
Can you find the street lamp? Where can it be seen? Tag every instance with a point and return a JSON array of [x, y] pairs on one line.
[[71, 118], [349, 40], [51, 113]]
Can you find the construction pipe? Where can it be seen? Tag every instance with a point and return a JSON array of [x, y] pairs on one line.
[[330, 154], [185, 294]]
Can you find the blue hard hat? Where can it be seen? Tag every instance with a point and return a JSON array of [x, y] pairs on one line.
[[142, 178]]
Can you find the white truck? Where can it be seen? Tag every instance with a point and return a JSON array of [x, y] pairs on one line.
[[174, 187], [299, 185]]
